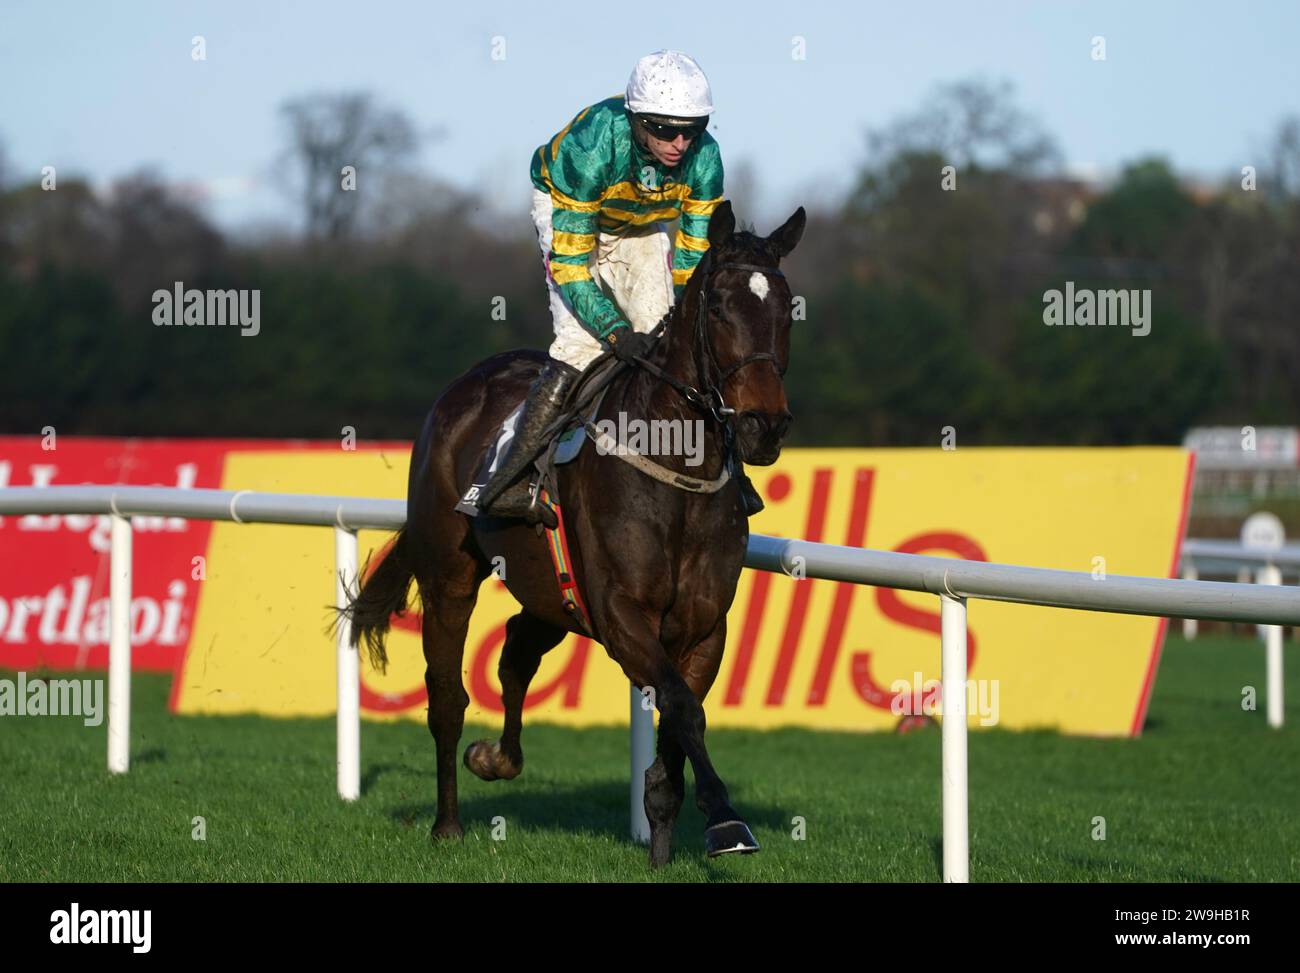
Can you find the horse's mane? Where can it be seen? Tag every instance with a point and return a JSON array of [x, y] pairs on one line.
[[746, 242]]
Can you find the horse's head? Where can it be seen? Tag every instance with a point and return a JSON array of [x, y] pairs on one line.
[[745, 329]]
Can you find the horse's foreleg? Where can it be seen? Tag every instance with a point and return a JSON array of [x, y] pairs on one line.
[[681, 714], [724, 832], [665, 788], [681, 719], [665, 779], [528, 638]]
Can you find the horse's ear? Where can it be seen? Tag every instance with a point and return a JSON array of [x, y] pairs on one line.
[[721, 224], [784, 239]]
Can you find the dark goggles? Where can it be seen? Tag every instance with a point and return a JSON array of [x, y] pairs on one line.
[[665, 131]]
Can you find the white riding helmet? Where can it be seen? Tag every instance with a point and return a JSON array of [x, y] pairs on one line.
[[670, 84]]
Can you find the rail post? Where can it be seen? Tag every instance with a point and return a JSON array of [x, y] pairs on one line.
[[349, 668], [956, 842], [119, 645], [1272, 574], [643, 755], [1190, 625]]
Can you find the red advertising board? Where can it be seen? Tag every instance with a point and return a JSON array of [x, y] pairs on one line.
[[54, 569]]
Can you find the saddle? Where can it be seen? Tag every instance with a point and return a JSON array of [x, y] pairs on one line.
[[562, 440]]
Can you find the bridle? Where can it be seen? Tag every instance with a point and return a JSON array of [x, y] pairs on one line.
[[709, 401], [714, 375]]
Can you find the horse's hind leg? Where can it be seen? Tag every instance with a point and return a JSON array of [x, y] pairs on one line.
[[448, 604], [528, 638]]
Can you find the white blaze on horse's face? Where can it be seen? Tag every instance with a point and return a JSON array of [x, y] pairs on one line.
[[758, 285]]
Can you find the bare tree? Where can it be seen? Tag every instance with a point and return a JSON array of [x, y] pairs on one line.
[[1282, 173], [968, 249], [328, 132], [971, 124]]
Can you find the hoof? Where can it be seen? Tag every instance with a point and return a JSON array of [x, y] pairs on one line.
[[729, 837], [486, 761], [451, 829]]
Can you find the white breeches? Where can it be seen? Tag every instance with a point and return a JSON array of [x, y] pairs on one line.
[[633, 270]]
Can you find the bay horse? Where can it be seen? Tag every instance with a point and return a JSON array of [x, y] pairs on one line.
[[657, 566]]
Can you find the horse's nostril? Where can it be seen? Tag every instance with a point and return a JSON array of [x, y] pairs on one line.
[[765, 424]]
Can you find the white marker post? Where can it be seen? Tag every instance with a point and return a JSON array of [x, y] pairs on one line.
[[1272, 574], [119, 646], [349, 669], [1190, 625], [956, 826], [643, 755], [1264, 532]]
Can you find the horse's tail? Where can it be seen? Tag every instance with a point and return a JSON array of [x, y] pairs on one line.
[[382, 596]]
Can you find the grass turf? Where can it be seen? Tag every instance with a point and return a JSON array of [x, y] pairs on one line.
[[1208, 793]]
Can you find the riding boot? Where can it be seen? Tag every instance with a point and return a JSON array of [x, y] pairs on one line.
[[748, 493], [501, 496]]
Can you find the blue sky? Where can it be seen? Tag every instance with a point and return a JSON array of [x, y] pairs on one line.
[[100, 89]]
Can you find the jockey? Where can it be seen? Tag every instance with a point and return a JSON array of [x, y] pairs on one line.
[[604, 191]]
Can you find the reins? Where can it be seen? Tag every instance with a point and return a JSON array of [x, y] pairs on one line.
[[711, 401]]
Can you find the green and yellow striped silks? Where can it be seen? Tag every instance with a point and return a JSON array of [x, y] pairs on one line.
[[601, 181]]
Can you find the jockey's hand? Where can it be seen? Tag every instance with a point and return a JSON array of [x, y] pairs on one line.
[[628, 344]]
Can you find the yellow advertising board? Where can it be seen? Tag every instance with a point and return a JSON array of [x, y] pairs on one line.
[[804, 653]]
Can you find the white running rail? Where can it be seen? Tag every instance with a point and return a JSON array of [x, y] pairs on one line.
[[952, 581]]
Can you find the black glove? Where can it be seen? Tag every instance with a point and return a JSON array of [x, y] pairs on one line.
[[627, 344]]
